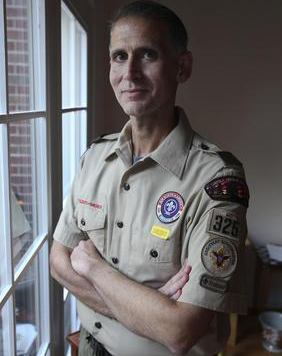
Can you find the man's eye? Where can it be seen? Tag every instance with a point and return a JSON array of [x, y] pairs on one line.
[[150, 55], [120, 57]]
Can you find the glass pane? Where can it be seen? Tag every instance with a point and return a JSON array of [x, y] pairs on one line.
[[67, 320], [2, 63], [27, 311], [26, 59], [70, 318], [6, 330], [5, 253], [74, 145], [74, 61], [27, 159]]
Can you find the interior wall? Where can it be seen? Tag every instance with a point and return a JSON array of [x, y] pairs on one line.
[[234, 95]]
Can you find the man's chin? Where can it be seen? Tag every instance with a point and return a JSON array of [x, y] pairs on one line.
[[135, 109]]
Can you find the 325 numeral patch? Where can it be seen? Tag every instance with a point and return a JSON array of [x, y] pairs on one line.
[[224, 223]]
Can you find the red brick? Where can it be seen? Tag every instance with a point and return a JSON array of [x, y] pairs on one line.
[[18, 139], [11, 68], [11, 46], [23, 89], [22, 69], [12, 89], [11, 23], [21, 180], [17, 58], [20, 160], [14, 170], [24, 129], [13, 129], [21, 24], [22, 46], [19, 150], [16, 35], [16, 12]]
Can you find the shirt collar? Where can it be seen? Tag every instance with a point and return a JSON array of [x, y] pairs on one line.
[[171, 154], [173, 151]]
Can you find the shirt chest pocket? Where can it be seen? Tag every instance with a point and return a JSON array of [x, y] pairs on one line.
[[163, 251], [92, 223]]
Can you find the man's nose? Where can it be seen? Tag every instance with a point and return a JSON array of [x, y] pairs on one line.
[[132, 69]]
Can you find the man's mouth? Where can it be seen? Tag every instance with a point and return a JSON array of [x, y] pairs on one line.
[[133, 91]]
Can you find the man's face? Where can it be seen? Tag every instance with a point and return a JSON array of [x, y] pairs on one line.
[[144, 66]]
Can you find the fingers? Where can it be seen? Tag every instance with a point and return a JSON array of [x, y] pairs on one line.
[[184, 270], [187, 268], [173, 288], [176, 295]]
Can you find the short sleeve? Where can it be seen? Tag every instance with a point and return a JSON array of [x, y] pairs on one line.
[[215, 242], [67, 231]]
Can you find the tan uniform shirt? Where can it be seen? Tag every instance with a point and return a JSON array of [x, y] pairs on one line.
[[145, 219]]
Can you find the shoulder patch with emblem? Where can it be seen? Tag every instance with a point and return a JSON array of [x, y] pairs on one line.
[[219, 257], [233, 189], [214, 284]]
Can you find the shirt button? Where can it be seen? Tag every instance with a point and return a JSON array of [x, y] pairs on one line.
[[98, 325], [115, 260], [126, 186], [83, 222], [154, 253], [120, 224]]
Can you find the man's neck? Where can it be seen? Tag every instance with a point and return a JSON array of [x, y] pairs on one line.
[[149, 132]]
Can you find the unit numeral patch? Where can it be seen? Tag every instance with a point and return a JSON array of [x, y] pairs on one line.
[[224, 223]]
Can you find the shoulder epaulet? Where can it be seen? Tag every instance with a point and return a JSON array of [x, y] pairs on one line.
[[105, 137], [229, 159]]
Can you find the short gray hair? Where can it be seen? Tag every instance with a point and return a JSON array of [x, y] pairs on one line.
[[148, 9]]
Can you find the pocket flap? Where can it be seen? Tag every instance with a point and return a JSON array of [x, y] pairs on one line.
[[89, 218]]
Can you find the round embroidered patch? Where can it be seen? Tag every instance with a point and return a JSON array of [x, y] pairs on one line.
[[219, 256], [169, 207]]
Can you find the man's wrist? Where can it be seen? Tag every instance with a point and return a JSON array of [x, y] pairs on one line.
[[98, 269]]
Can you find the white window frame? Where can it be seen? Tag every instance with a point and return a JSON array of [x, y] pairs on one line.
[[39, 247], [52, 292]]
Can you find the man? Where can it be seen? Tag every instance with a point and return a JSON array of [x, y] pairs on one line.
[[147, 202]]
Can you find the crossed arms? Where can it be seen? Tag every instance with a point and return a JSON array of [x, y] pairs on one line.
[[155, 314]]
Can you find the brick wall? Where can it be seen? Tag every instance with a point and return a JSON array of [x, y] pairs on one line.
[[19, 84]]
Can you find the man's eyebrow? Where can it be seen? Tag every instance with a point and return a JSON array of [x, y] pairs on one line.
[[146, 48], [115, 51], [138, 49]]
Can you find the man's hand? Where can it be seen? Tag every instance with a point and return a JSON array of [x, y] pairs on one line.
[[85, 254], [80, 287], [173, 288]]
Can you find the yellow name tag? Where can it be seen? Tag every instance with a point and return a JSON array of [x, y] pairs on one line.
[[160, 232]]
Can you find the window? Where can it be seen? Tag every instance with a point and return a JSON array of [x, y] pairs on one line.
[[74, 98], [74, 94], [29, 164], [24, 319]]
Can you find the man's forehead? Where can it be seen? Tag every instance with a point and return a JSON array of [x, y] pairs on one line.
[[138, 29]]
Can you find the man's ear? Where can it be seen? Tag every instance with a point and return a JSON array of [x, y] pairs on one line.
[[185, 67]]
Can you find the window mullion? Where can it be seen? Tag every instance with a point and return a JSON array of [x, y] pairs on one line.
[[9, 234], [6, 56], [7, 192], [72, 61]]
